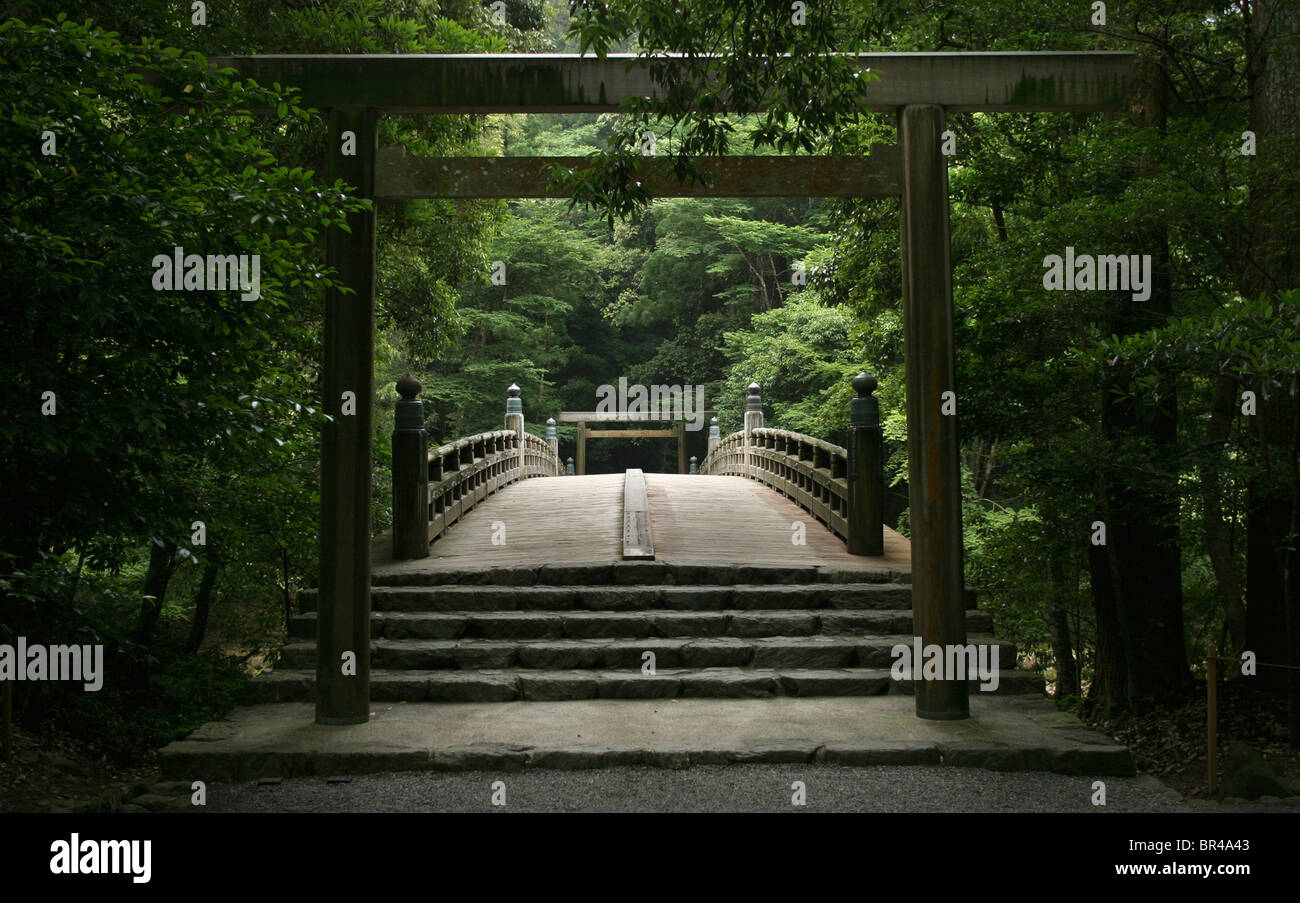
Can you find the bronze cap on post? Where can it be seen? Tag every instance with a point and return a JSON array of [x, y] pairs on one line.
[[409, 413], [864, 410]]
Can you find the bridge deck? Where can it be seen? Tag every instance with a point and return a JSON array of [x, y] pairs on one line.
[[695, 518]]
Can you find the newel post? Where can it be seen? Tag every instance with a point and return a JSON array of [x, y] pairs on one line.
[[695, 464], [866, 471], [410, 474], [753, 421], [715, 434], [551, 438], [515, 422]]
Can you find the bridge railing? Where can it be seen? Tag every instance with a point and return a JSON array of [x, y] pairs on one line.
[[434, 489], [843, 488], [811, 472]]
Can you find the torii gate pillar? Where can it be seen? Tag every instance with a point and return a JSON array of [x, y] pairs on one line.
[[343, 618], [934, 472]]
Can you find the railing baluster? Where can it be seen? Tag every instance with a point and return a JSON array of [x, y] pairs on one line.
[[817, 475]]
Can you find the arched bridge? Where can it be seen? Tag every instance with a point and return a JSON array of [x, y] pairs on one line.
[[766, 573], [475, 502]]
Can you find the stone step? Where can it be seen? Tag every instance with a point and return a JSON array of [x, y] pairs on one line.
[[572, 624], [630, 573], [1005, 733], [604, 653], [504, 685], [748, 596]]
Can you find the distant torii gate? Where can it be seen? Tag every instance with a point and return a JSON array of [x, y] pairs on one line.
[[920, 87], [582, 418]]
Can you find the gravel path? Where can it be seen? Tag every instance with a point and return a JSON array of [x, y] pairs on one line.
[[722, 788]]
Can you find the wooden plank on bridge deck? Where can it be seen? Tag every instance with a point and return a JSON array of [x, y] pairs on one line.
[[638, 539]]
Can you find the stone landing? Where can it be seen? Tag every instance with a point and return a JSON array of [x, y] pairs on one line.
[[1005, 733]]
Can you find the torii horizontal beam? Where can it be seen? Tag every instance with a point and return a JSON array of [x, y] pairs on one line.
[[625, 416], [567, 83], [878, 175], [632, 434]]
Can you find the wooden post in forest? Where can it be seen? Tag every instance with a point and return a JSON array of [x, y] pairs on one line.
[[410, 474], [866, 471], [1212, 715], [934, 474], [582, 448], [343, 615], [681, 445]]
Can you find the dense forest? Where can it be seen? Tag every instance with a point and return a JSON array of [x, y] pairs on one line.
[[135, 419]]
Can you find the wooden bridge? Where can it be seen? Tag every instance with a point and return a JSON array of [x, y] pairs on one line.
[[692, 518], [806, 500], [766, 573]]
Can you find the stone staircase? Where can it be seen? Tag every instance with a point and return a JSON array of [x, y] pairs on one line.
[[577, 631]]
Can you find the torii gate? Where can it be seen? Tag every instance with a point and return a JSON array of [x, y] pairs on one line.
[[920, 87], [677, 430]]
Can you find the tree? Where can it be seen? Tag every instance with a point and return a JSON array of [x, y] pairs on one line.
[[734, 53], [140, 376]]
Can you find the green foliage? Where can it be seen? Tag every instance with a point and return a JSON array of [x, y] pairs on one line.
[[174, 407], [137, 371], [61, 598], [1255, 341], [180, 406], [747, 47], [802, 357], [520, 331]]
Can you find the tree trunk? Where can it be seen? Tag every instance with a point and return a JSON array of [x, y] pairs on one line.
[[1140, 595], [1218, 532], [984, 484], [1272, 587], [162, 560], [1058, 626], [1108, 692], [202, 605]]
